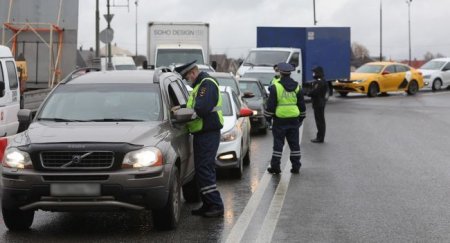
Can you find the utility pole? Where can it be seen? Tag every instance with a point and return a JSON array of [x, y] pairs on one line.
[[97, 29], [409, 29], [109, 43], [381, 30], [314, 10], [136, 3]]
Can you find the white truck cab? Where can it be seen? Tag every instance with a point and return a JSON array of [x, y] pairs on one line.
[[263, 60], [119, 63], [9, 93]]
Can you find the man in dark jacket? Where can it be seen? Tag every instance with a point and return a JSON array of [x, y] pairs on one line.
[[206, 101], [287, 107], [318, 93]]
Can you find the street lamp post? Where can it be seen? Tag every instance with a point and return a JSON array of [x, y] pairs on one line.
[[136, 3], [381, 31], [409, 29], [314, 11]]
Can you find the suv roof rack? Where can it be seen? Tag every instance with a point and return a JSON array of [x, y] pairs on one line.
[[78, 72], [159, 71]]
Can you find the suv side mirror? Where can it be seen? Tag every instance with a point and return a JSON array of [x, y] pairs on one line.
[[145, 65], [183, 115], [385, 73], [25, 118], [248, 95], [214, 65]]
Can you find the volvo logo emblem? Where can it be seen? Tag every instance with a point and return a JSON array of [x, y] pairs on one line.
[[76, 159]]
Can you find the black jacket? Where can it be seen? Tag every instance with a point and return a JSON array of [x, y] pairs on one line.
[[206, 100], [319, 88], [290, 85]]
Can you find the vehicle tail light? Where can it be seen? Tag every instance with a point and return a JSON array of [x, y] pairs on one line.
[[3, 144]]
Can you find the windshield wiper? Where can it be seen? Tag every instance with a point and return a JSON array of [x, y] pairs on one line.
[[115, 120], [56, 119], [265, 65]]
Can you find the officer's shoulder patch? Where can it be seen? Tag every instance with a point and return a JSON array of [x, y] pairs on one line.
[[202, 91]]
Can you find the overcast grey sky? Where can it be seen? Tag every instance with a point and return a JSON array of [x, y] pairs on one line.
[[233, 22]]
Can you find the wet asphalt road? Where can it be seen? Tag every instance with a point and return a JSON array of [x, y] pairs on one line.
[[383, 175]]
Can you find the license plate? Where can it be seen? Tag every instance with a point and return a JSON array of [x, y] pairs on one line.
[[79, 189]]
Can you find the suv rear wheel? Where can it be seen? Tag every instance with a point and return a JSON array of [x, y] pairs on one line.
[[168, 217], [16, 219], [413, 87]]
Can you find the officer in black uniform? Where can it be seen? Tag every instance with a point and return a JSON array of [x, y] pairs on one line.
[[317, 94], [206, 101], [287, 107]]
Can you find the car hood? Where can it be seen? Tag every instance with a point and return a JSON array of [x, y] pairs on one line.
[[146, 133], [427, 71], [361, 76], [228, 123]]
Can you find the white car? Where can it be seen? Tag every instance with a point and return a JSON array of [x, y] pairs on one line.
[[234, 148], [436, 73]]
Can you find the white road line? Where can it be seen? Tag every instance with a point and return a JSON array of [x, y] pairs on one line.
[[241, 225]]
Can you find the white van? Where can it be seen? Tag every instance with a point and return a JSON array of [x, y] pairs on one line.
[[9, 93], [119, 63]]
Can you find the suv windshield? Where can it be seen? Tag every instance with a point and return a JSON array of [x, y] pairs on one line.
[[266, 58], [369, 69], [252, 87], [433, 65], [228, 82], [264, 78], [168, 57], [103, 102]]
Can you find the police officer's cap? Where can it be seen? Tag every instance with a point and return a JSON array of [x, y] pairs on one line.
[[285, 68], [184, 69]]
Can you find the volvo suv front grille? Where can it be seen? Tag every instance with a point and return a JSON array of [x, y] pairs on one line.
[[77, 159]]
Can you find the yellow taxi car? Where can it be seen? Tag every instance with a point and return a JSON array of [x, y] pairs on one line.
[[381, 77]]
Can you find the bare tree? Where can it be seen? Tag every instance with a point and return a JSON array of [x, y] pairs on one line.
[[359, 51], [428, 56]]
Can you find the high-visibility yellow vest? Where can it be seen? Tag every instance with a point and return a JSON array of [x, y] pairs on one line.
[[286, 102], [275, 80], [197, 124]]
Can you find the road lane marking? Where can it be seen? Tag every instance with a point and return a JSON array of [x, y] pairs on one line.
[[241, 225]]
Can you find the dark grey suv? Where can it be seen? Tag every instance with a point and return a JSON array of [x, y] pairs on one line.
[[102, 141]]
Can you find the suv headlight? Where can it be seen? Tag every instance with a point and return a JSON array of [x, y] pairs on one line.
[[230, 135], [145, 157], [15, 158]]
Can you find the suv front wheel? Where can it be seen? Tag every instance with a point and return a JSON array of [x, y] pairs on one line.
[[16, 219], [167, 217]]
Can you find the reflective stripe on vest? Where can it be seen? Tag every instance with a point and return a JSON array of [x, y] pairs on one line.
[[197, 124], [286, 102]]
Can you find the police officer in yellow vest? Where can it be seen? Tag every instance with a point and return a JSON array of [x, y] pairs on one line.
[[206, 100], [287, 107]]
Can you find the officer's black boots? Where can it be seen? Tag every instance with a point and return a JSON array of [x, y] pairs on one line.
[[208, 212], [315, 140], [295, 170], [275, 171]]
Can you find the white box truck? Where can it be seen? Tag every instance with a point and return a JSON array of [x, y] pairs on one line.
[[172, 43], [9, 93]]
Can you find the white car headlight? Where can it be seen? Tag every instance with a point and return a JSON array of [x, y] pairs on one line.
[[230, 135], [146, 157], [15, 158], [255, 112]]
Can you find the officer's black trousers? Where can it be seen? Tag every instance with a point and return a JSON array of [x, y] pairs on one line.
[[291, 134], [319, 115], [205, 150]]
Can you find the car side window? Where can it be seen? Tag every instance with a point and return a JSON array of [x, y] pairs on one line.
[[12, 75], [2, 80], [401, 68], [447, 67], [390, 69], [294, 59]]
